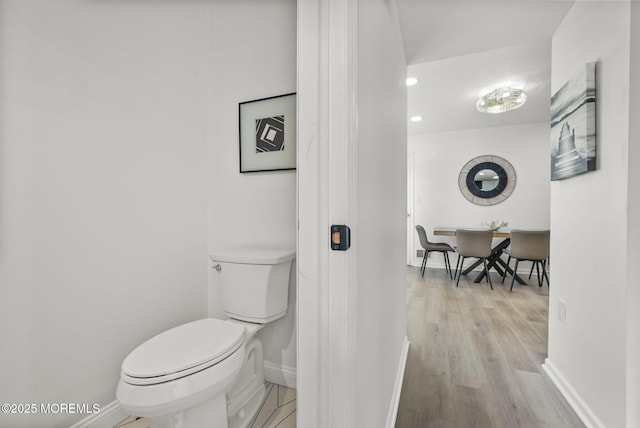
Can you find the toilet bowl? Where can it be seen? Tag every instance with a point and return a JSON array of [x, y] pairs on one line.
[[210, 373]]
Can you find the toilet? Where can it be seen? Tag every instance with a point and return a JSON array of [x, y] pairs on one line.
[[210, 373]]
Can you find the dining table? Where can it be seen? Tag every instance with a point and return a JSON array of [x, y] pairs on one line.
[[494, 261]]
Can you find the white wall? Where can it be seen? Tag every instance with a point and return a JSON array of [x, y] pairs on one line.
[[103, 161], [381, 213], [438, 159], [253, 45], [633, 232], [590, 222]]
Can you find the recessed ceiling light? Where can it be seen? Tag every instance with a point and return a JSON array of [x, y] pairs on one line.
[[416, 118], [411, 81]]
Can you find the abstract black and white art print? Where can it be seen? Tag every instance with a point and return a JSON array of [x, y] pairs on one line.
[[268, 134], [573, 126]]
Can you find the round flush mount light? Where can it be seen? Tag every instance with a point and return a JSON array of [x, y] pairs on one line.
[[416, 118], [501, 100], [411, 81]]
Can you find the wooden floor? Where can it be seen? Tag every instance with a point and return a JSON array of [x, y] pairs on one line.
[[475, 356]]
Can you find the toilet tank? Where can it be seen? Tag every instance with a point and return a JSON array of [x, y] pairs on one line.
[[254, 282]]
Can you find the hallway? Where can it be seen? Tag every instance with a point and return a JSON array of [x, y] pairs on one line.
[[475, 356]]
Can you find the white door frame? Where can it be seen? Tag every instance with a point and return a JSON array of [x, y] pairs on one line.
[[411, 255], [326, 280]]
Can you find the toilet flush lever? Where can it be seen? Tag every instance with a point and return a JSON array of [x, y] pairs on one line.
[[217, 267]]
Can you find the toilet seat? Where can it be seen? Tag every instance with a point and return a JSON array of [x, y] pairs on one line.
[[182, 351]]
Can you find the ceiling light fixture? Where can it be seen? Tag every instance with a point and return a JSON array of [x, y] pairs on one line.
[[411, 81], [501, 100], [416, 118]]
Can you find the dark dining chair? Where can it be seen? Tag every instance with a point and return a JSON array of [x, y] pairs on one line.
[[429, 247], [533, 246], [473, 243]]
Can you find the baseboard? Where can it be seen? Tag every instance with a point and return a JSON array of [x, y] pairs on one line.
[[108, 417], [282, 375], [581, 408], [397, 388]]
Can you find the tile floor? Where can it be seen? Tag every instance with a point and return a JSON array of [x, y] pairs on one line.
[[278, 410]]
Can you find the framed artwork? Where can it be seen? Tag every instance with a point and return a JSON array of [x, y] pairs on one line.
[[268, 134], [573, 126]]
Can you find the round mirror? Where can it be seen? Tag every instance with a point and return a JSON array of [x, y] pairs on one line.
[[487, 180]]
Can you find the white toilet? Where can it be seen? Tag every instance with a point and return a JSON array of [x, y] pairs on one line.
[[209, 373]]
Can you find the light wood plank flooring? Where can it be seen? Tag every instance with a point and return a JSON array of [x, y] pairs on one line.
[[475, 356]]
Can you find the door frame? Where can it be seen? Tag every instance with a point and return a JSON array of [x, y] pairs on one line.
[[326, 194], [411, 255]]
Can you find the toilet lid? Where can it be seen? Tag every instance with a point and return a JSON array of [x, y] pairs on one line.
[[205, 341]]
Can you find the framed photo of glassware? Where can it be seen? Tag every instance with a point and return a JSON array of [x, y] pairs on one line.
[[268, 134]]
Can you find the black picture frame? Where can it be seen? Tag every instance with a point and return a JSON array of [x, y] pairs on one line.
[[267, 134]]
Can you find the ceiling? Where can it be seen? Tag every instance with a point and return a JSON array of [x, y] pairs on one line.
[[459, 50]]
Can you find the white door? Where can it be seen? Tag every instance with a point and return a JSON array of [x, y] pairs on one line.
[[351, 170], [410, 221], [326, 118]]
